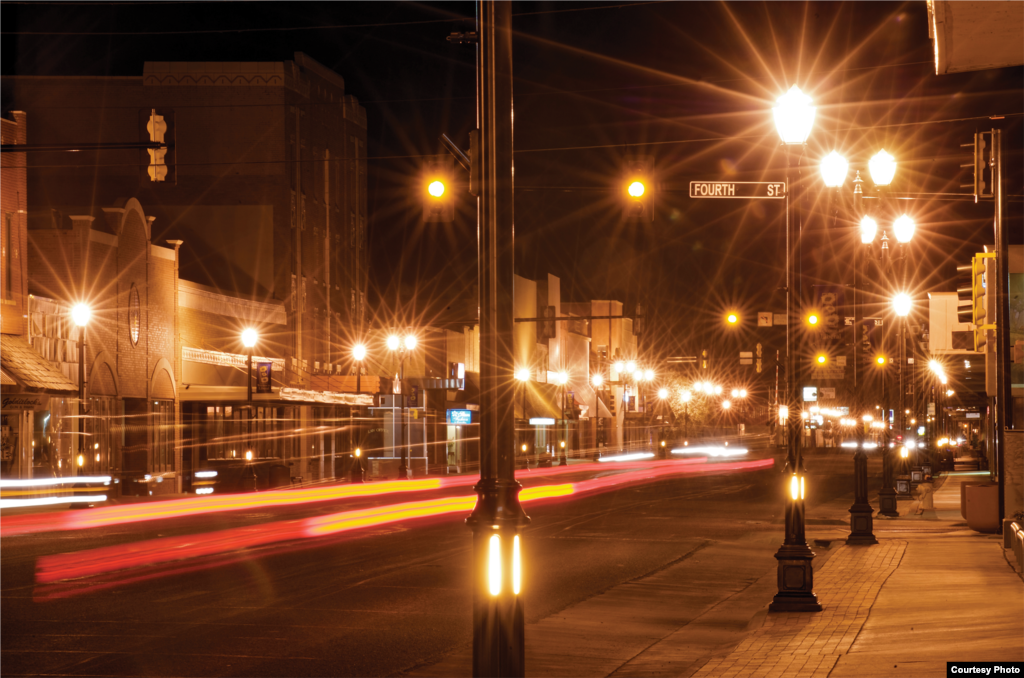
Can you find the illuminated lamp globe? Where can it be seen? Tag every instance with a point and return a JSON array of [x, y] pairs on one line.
[[833, 169], [880, 360], [743, 393], [523, 374], [249, 337], [358, 351], [901, 304], [597, 380], [868, 230], [903, 228], [410, 342], [649, 375], [662, 393], [631, 367], [883, 168], [563, 378], [685, 396], [636, 189], [80, 314], [735, 393], [794, 116], [393, 343], [619, 366], [732, 318], [436, 188], [718, 390], [726, 404]]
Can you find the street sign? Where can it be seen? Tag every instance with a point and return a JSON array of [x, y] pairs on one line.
[[459, 417], [764, 318], [738, 189]]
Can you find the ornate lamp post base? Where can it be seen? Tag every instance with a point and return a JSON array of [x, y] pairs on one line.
[[796, 580], [861, 526], [498, 611], [887, 503]]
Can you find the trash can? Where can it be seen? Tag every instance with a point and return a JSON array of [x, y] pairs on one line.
[[983, 508]]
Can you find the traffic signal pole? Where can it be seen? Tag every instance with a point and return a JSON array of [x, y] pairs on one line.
[[498, 615], [1004, 402]]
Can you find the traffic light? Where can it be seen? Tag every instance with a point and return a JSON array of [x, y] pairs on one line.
[[437, 189], [979, 305], [638, 187], [981, 166], [880, 360], [813, 319], [965, 293], [732, 318], [160, 129], [821, 360]]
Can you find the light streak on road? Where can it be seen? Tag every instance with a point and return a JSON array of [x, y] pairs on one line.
[[122, 557]]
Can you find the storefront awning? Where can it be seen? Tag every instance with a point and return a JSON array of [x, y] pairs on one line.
[[29, 371]]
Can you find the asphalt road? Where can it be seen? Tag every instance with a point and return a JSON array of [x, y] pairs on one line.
[[379, 601]]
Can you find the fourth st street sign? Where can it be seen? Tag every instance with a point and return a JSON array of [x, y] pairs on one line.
[[738, 189]]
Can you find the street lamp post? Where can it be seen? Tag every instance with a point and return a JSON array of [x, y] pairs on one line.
[[80, 314], [499, 621], [597, 380], [402, 345], [794, 117], [563, 379], [686, 397], [249, 338], [358, 355]]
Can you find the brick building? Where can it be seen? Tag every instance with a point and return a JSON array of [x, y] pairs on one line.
[[263, 181], [109, 262], [34, 394]]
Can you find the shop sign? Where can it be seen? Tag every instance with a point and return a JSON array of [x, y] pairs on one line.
[[459, 417], [24, 401], [263, 371], [542, 421]]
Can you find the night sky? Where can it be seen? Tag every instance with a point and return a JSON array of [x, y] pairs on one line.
[[689, 84]]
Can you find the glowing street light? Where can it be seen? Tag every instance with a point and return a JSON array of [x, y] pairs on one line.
[[662, 393], [649, 375], [249, 338], [833, 169], [358, 352], [902, 304], [631, 367], [794, 116], [685, 395], [393, 342], [903, 229], [732, 318], [597, 380], [523, 374], [403, 345], [619, 366], [726, 404], [80, 314], [882, 168], [868, 230]]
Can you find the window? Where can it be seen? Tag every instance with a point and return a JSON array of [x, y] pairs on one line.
[[134, 315], [162, 432]]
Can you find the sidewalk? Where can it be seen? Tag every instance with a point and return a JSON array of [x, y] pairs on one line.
[[931, 591]]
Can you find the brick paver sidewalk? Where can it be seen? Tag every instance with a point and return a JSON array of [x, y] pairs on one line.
[[810, 643]]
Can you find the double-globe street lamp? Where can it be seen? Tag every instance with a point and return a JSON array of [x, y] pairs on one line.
[[882, 168], [249, 339], [404, 345]]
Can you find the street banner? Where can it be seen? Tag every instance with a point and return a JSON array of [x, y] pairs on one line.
[[263, 372]]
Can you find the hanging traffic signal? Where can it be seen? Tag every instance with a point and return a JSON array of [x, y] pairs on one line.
[[638, 186], [437, 187], [880, 360], [821, 360], [813, 320], [981, 164], [979, 302], [965, 293], [732, 318]]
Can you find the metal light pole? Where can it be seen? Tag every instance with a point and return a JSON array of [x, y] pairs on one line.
[[498, 613], [80, 314], [794, 117], [597, 380], [249, 338], [358, 354], [402, 346]]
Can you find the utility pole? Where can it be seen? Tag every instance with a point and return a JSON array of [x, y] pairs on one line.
[[1004, 399], [498, 615]]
